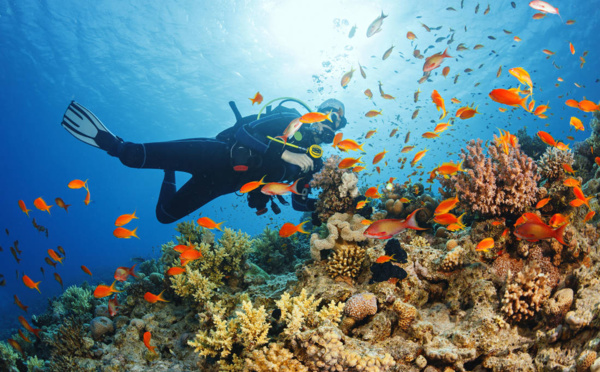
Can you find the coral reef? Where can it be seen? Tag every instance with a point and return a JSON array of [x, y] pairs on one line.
[[338, 189], [494, 185], [342, 229], [525, 294], [550, 165], [277, 255]]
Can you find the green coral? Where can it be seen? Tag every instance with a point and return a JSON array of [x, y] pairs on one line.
[[224, 260], [77, 300], [34, 364], [8, 357], [273, 253]]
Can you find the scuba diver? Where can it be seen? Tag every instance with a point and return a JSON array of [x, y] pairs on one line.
[[248, 151]]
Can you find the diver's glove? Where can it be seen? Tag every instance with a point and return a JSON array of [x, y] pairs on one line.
[[302, 160]]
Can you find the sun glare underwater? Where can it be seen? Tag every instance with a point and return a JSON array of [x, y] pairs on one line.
[[440, 213]]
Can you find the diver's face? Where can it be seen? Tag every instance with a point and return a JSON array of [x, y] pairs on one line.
[[323, 132]]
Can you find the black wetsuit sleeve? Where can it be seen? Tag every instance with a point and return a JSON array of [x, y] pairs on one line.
[[302, 202], [254, 135]]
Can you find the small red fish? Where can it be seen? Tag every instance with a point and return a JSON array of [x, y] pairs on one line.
[[19, 304], [104, 290], [122, 273], [542, 203], [28, 327], [258, 98], [58, 279], [123, 233], [175, 271], [86, 270], [30, 283], [87, 200], [434, 61], [280, 188], [379, 156], [16, 346], [40, 204], [534, 230], [147, 337], [485, 245], [77, 184], [62, 204], [24, 208], [385, 229], [288, 229], [113, 306], [152, 298], [124, 219], [55, 256], [384, 259]]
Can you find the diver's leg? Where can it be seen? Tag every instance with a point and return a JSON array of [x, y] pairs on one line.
[[193, 155], [196, 192]]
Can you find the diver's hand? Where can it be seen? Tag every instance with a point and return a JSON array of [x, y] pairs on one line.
[[302, 160]]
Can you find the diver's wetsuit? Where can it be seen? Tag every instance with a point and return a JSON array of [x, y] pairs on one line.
[[211, 165]]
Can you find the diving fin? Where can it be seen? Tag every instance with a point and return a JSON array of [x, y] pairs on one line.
[[86, 127]]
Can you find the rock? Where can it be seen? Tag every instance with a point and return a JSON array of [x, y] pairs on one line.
[[100, 326], [101, 310], [137, 323]]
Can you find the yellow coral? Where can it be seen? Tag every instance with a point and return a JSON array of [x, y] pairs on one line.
[[275, 358], [301, 311], [253, 325], [346, 261]]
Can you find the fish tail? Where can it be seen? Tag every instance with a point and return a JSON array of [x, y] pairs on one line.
[[294, 187], [329, 114], [113, 289], [160, 297], [134, 216], [558, 233], [300, 228], [445, 54], [218, 226], [284, 139], [411, 221], [262, 179], [360, 147], [133, 233], [132, 271], [37, 286]]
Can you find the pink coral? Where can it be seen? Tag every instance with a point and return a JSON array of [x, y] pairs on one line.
[[495, 184], [361, 305]]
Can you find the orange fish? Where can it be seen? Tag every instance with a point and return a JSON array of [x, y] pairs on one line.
[[372, 193], [77, 184], [571, 48], [485, 245], [58, 279], [572, 103], [373, 113], [358, 169], [497, 223], [209, 224], [558, 220], [517, 39], [570, 22], [576, 123], [175, 271], [385, 229], [404, 200], [123, 233], [349, 163], [542, 203], [16, 346], [466, 112], [430, 135], [589, 216], [446, 205], [448, 219], [113, 306], [418, 156], [258, 98], [379, 156], [597, 160], [546, 138], [40, 204], [23, 208], [535, 230], [315, 117], [252, 185], [105, 291], [441, 127], [508, 97], [588, 106], [450, 169], [580, 196], [393, 132], [361, 204], [338, 137], [122, 273], [368, 93], [147, 337], [370, 133], [55, 256], [87, 200], [288, 229], [439, 102], [279, 188], [30, 283], [28, 327], [568, 168], [384, 259], [411, 35], [346, 78], [19, 304], [152, 298], [62, 204], [349, 144], [189, 255], [24, 337], [86, 270], [124, 219], [407, 149], [570, 182], [445, 71], [434, 61]]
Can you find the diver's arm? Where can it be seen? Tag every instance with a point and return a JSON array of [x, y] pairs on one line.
[[304, 161]]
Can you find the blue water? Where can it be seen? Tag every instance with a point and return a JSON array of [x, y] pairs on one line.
[[156, 71]]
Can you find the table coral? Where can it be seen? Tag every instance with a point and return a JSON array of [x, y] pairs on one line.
[[495, 184]]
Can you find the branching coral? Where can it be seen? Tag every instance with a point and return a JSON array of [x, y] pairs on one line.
[[66, 345], [494, 185], [346, 261], [525, 294], [301, 312], [338, 189], [273, 253], [274, 358], [550, 165]]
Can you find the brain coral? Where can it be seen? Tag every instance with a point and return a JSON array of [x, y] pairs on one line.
[[361, 305]]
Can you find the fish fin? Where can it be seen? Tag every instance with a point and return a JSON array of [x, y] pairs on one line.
[[558, 234], [219, 225], [132, 271], [411, 221], [294, 187], [133, 233], [284, 139], [301, 229]]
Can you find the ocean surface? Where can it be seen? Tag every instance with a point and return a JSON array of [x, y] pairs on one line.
[[156, 71]]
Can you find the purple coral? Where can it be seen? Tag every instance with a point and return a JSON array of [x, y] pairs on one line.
[[495, 184]]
